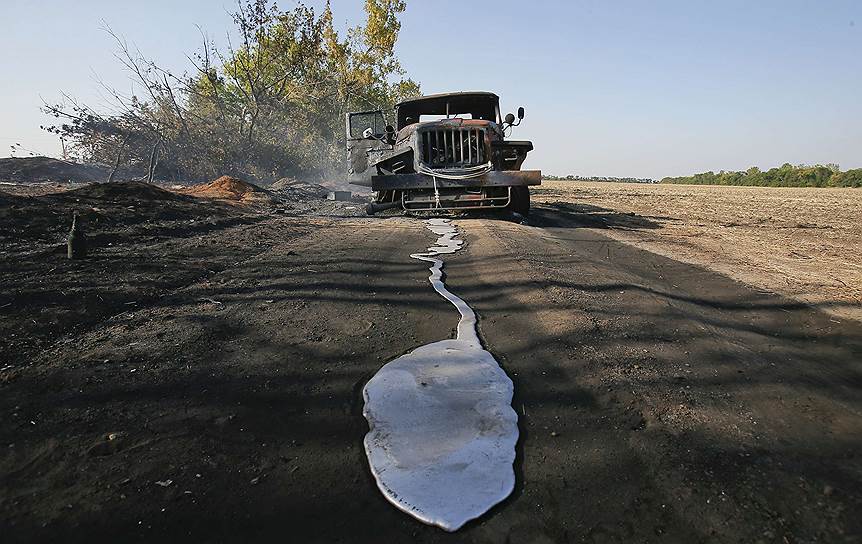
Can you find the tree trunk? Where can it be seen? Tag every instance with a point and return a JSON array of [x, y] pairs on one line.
[[152, 166], [117, 161]]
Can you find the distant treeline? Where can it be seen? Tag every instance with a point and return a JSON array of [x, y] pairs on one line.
[[598, 178], [786, 175]]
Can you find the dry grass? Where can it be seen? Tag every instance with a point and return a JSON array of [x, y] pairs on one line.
[[805, 243]]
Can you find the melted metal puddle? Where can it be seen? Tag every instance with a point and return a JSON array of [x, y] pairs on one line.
[[443, 431]]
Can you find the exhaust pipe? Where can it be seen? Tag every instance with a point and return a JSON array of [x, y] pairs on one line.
[[375, 207]]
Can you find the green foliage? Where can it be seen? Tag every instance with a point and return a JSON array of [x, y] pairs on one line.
[[786, 175], [269, 106]]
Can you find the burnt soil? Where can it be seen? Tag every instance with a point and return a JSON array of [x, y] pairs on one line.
[[198, 378]]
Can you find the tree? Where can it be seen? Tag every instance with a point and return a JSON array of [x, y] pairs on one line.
[[786, 175], [271, 105]]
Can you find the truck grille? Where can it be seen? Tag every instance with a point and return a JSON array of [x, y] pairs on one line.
[[453, 147]]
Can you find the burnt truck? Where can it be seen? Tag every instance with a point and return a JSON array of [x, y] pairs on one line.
[[446, 152]]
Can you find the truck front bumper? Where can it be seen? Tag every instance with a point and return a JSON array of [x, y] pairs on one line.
[[494, 178]]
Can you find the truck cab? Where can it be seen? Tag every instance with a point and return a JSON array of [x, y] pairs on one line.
[[445, 152]]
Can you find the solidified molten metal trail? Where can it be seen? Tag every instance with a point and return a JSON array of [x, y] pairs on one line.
[[443, 432]]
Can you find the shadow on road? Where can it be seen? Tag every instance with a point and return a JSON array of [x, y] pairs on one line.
[[572, 215], [662, 399]]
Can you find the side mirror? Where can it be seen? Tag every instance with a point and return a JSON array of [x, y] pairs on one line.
[[510, 119], [521, 113]]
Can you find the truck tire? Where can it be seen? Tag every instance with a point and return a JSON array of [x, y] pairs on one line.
[[520, 202]]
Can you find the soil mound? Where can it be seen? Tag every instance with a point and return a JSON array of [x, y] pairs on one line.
[[33, 169], [230, 189], [299, 190], [126, 190]]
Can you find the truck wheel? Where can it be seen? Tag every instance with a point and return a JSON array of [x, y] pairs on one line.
[[520, 202]]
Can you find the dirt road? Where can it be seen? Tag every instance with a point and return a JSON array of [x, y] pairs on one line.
[[658, 401]]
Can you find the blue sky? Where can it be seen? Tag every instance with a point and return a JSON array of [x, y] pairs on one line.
[[628, 88]]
